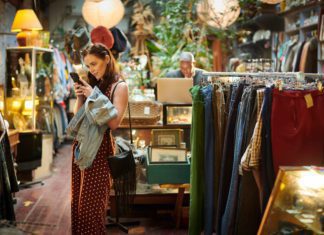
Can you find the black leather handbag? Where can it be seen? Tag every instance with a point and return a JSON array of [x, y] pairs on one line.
[[121, 164]]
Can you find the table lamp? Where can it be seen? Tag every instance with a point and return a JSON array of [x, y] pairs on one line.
[[25, 23]]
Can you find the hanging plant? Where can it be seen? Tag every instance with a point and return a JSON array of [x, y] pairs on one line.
[[178, 31], [142, 19]]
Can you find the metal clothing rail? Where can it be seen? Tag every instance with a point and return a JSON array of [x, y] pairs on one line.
[[300, 76]]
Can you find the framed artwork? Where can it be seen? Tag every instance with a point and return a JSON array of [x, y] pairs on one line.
[[167, 137], [167, 155]]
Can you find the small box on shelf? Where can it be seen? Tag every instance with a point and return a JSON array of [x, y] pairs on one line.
[[168, 172]]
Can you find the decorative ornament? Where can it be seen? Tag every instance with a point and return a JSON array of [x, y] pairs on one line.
[[218, 13]]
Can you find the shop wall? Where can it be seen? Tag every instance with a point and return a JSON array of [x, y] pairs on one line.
[[63, 15], [7, 39]]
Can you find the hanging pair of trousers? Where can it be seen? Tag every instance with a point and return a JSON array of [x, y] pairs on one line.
[[207, 92], [228, 152], [266, 164], [245, 217], [197, 136], [6, 201], [14, 187], [219, 111], [297, 128], [248, 214], [240, 129]]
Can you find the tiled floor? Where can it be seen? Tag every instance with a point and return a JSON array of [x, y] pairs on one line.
[[45, 209]]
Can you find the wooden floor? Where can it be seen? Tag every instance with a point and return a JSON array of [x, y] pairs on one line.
[[45, 209]]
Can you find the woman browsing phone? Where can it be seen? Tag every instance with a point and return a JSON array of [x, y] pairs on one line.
[[91, 186]]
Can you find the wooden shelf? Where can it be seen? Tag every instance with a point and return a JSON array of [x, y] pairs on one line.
[[265, 21], [249, 25], [306, 27], [301, 8], [292, 31], [311, 26], [320, 60]]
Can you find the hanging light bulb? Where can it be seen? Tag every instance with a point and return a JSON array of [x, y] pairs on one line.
[[271, 1], [218, 13], [106, 13]]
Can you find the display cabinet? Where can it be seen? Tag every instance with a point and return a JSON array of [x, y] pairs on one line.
[[177, 114], [28, 92], [296, 204]]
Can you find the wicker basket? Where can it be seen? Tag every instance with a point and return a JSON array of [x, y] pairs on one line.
[[143, 113]]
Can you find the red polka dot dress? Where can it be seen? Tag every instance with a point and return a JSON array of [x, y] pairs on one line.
[[90, 190]]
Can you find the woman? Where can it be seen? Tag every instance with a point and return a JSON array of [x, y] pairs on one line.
[[90, 187]]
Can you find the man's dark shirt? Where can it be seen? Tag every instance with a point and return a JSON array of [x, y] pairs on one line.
[[178, 74]]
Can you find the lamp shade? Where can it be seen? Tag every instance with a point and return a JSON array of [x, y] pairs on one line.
[[25, 19], [106, 13], [218, 13]]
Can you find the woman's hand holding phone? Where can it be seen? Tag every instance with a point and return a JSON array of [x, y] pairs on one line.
[[82, 88], [78, 90]]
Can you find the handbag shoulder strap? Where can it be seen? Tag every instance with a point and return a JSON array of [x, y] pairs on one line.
[[113, 92], [129, 115]]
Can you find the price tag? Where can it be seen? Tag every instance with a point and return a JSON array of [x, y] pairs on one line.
[[309, 100], [147, 110]]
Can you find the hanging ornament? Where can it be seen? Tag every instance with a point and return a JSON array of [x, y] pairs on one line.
[[218, 13], [106, 13], [271, 1]]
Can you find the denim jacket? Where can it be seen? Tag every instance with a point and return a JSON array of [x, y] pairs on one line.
[[89, 125]]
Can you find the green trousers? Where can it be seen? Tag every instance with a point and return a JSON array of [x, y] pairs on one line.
[[196, 210]]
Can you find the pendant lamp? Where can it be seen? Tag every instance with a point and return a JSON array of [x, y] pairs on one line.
[[218, 13], [106, 13], [271, 1]]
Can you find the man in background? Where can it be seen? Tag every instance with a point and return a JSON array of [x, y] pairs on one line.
[[187, 69]]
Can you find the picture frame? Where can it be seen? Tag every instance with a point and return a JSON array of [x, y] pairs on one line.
[[167, 155], [167, 137], [177, 114]]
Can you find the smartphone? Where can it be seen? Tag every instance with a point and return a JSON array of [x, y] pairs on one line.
[[75, 77]]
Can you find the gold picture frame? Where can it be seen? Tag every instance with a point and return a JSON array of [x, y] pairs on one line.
[[167, 155], [167, 137]]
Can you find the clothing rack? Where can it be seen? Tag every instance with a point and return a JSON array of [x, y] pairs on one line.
[[300, 76]]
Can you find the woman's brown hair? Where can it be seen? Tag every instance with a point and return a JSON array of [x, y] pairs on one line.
[[112, 71]]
